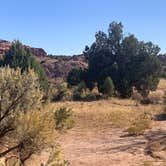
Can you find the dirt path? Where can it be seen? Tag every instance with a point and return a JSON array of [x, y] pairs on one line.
[[108, 147], [94, 142]]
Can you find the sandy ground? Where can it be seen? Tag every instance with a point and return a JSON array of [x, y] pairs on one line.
[[109, 147], [87, 145]]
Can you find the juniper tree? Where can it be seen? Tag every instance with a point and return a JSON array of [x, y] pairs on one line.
[[18, 56], [128, 61]]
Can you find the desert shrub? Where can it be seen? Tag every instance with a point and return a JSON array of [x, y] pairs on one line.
[[153, 97], [63, 119], [56, 158], [108, 87], [89, 95], [78, 91], [82, 93], [24, 129], [34, 131], [63, 93], [85, 95], [52, 93], [140, 124], [18, 92]]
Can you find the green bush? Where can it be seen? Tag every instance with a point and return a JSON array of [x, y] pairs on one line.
[[108, 87], [18, 56], [74, 76], [64, 119]]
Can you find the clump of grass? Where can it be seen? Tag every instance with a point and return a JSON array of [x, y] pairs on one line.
[[120, 118], [64, 118], [147, 163], [56, 158], [140, 124]]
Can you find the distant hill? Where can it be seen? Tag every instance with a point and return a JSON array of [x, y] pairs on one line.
[[56, 67], [5, 45]]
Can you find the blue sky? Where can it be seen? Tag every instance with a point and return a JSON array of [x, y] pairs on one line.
[[66, 26]]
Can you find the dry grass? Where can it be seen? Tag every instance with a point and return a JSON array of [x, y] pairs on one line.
[[95, 140], [140, 125], [162, 84], [157, 96], [104, 113], [99, 126], [119, 112]]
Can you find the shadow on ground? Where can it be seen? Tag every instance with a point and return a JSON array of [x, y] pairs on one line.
[[152, 143], [160, 117]]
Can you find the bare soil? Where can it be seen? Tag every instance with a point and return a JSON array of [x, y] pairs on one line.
[[111, 147]]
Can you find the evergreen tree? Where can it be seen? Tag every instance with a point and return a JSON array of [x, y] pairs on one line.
[[129, 62], [74, 76], [18, 56]]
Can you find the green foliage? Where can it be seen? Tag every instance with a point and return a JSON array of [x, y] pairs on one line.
[[64, 119], [124, 88], [145, 68], [74, 76], [23, 126], [108, 87], [87, 78], [18, 56], [129, 62]]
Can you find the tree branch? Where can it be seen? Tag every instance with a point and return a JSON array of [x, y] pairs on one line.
[[9, 150]]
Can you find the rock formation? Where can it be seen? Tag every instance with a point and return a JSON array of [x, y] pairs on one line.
[[56, 67]]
